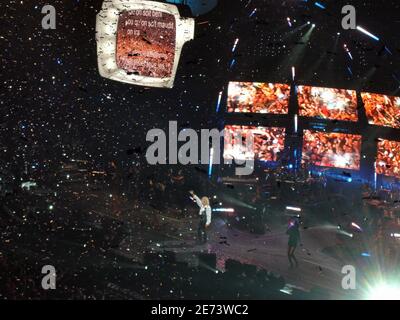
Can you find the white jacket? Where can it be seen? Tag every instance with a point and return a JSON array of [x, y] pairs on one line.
[[203, 208]]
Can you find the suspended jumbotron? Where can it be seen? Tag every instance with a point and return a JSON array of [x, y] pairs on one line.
[[140, 42]]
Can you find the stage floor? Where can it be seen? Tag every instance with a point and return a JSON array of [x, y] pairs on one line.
[[268, 251]]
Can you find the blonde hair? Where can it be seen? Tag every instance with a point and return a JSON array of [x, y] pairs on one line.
[[205, 201]]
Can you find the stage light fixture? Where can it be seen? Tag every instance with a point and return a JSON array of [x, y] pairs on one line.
[[293, 208], [355, 225], [223, 210], [384, 291]]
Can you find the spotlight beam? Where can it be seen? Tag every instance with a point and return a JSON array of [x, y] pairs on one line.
[[361, 29]]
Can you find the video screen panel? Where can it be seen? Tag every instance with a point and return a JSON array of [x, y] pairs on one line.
[[388, 159], [258, 97], [146, 43], [337, 150], [382, 110], [327, 103], [268, 143]]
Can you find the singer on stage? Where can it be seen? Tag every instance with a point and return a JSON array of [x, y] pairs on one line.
[[205, 217]]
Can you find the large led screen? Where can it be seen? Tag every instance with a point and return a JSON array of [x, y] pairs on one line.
[[258, 97], [327, 103], [266, 146], [388, 159], [382, 110], [146, 43], [336, 150]]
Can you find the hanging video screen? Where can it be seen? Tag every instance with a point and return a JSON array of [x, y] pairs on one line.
[[382, 110], [258, 97], [146, 43], [388, 159], [267, 143], [327, 103], [336, 150]]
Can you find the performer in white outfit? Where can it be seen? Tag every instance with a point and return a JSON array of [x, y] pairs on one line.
[[205, 217]]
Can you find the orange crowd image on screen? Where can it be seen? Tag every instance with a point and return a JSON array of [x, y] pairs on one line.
[[268, 142], [315, 102], [382, 110], [258, 97], [328, 103], [143, 50], [336, 150], [388, 159]]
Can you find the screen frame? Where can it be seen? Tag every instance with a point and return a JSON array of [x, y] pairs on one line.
[[106, 38]]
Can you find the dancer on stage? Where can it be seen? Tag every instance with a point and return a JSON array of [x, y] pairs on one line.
[[205, 217], [294, 238]]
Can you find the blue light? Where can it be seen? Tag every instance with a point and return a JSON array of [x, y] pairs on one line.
[[351, 72], [395, 77], [319, 5], [197, 7], [387, 50], [219, 101], [223, 210], [210, 163], [365, 254], [253, 13]]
